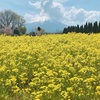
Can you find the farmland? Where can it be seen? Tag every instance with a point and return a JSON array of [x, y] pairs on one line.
[[50, 67]]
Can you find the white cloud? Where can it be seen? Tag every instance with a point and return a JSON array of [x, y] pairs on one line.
[[61, 1], [73, 16], [80, 16], [28, 17], [36, 4], [54, 10], [47, 8], [92, 16], [36, 17]]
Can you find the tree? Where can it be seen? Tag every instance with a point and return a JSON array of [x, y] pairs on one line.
[[81, 29], [77, 28], [90, 28], [8, 30], [99, 27], [22, 30], [86, 28], [65, 30], [95, 27], [10, 18]]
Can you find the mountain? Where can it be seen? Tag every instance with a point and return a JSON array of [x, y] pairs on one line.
[[49, 26]]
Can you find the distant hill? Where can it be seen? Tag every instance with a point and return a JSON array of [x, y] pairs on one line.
[[49, 26]]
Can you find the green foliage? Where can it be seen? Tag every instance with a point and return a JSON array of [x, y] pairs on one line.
[[89, 27], [22, 30]]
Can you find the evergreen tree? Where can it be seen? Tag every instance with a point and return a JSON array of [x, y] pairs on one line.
[[69, 29], [77, 28], [81, 29], [65, 30], [95, 27], [86, 28], [99, 27], [90, 28]]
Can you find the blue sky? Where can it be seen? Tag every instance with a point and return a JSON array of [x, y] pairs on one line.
[[70, 12]]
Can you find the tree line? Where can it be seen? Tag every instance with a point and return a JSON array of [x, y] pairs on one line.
[[89, 27]]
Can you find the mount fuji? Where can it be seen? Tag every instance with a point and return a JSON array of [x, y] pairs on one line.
[[49, 26]]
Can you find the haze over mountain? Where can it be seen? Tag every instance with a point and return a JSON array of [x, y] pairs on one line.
[[49, 26]]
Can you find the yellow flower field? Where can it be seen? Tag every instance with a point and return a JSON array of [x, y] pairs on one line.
[[50, 67]]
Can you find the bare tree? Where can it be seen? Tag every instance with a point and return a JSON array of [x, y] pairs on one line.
[[10, 18]]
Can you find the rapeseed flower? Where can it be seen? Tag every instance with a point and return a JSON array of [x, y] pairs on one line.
[[63, 67]]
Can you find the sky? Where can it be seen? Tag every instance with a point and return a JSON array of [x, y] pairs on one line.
[[69, 12]]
